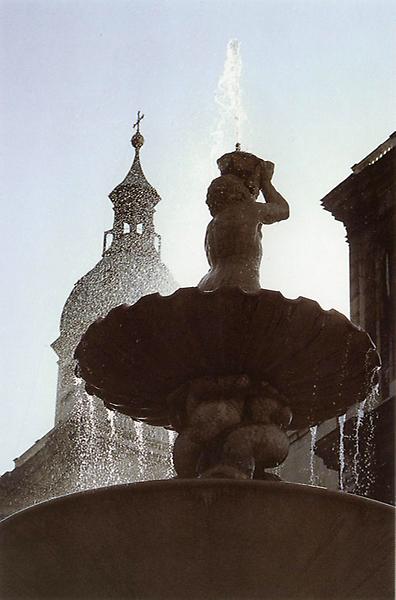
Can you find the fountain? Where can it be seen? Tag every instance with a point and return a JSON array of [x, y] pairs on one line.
[[230, 368], [227, 365]]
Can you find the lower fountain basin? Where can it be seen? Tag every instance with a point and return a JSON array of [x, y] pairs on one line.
[[200, 539]]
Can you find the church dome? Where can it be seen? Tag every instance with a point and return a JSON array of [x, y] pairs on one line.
[[118, 278]]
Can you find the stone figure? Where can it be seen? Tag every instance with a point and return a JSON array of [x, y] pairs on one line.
[[234, 252], [233, 237], [232, 427]]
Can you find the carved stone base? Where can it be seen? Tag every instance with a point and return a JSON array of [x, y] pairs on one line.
[[230, 427]]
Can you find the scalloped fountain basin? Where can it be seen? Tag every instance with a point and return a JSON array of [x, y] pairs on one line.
[[137, 355]]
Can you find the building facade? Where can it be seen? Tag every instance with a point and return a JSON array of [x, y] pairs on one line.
[[366, 203], [355, 453]]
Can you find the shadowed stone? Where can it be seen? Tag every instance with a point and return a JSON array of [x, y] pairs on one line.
[[200, 539]]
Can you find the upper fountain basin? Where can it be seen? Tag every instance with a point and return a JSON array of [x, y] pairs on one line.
[[137, 355]]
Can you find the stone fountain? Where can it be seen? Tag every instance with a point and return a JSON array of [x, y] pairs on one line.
[[228, 365], [231, 368]]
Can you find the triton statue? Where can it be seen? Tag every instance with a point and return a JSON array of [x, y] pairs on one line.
[[233, 237]]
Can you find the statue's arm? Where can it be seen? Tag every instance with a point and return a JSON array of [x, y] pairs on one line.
[[208, 237], [275, 208]]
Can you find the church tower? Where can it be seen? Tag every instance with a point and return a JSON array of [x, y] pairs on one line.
[[134, 201], [130, 268], [90, 446]]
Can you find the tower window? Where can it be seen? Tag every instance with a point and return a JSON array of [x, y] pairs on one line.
[[127, 228], [107, 240], [139, 228]]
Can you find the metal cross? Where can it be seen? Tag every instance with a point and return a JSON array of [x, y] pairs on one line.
[[139, 118]]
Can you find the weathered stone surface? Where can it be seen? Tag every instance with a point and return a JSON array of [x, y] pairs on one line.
[[233, 237], [200, 539], [228, 422]]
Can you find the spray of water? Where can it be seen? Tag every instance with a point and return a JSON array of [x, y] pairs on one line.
[[141, 449], [113, 477], [172, 435], [276, 471], [312, 477], [341, 455], [366, 457], [95, 441], [84, 434], [355, 466], [228, 98]]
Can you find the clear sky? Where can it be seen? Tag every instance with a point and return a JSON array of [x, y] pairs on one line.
[[318, 92]]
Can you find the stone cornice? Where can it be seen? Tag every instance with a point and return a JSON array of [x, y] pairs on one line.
[[365, 197]]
